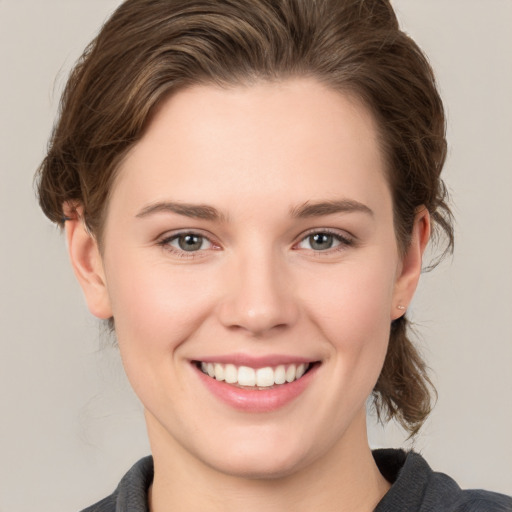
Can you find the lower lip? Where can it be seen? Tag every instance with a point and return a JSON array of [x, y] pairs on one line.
[[257, 400]]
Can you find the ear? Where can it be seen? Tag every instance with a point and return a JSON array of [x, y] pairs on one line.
[[410, 266], [87, 263]]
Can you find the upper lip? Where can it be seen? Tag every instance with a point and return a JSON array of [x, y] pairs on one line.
[[255, 361]]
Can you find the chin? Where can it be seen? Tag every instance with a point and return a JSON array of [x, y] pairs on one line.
[[258, 466], [264, 455]]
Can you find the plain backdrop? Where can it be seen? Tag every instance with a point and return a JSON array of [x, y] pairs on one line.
[[70, 426]]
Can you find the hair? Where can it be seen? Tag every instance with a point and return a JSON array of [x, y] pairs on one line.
[[149, 49]]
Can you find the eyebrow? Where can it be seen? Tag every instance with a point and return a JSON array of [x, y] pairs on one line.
[[207, 212], [195, 211], [309, 209]]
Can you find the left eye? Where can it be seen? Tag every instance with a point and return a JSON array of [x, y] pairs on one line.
[[321, 241], [188, 242]]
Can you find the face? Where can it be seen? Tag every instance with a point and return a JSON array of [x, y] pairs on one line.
[[251, 266]]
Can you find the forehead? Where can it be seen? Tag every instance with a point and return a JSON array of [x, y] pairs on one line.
[[291, 140]]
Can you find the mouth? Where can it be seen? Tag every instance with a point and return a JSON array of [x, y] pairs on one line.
[[256, 385], [245, 377]]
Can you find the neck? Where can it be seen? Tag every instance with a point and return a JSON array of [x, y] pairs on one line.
[[344, 478]]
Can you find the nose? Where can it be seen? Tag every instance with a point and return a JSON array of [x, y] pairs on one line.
[[259, 296]]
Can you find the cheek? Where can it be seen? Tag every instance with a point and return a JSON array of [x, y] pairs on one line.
[[156, 309], [352, 307], [156, 306], [353, 300]]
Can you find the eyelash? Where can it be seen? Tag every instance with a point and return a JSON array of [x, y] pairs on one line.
[[344, 242], [165, 243]]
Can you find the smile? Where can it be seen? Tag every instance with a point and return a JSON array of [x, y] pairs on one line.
[[247, 377], [256, 384]]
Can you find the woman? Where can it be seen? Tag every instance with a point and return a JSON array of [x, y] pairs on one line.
[[248, 188]]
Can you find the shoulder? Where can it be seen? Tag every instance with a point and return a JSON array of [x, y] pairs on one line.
[[483, 501], [416, 487], [131, 494], [106, 505]]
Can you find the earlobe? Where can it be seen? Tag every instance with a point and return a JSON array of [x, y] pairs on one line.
[[87, 264], [411, 264]]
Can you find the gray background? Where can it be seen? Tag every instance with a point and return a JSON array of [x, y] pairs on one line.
[[70, 426]]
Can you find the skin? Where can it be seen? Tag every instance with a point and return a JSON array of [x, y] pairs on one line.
[[255, 286]]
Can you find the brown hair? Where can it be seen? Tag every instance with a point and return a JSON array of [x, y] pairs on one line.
[[151, 48]]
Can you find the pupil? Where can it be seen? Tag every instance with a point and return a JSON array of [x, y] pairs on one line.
[[321, 241], [190, 242]]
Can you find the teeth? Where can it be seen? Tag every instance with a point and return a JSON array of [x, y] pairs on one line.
[[265, 377], [249, 377], [280, 375], [219, 372], [246, 376], [231, 374], [291, 373]]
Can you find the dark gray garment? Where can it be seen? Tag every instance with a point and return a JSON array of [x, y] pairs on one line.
[[416, 488]]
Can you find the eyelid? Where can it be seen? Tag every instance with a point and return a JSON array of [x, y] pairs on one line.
[[169, 236], [346, 240]]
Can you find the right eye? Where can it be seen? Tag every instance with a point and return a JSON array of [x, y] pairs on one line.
[[186, 242], [321, 241]]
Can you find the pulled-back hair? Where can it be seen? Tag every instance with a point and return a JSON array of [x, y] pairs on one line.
[[150, 49]]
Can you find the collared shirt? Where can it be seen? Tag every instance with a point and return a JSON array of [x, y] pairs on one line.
[[415, 488]]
